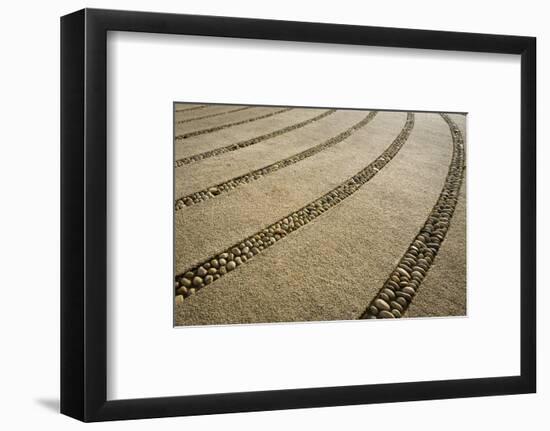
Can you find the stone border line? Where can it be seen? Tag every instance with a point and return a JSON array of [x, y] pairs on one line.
[[400, 288], [187, 120], [213, 191], [248, 142], [227, 125], [220, 264], [192, 108]]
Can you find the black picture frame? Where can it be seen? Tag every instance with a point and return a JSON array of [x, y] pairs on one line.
[[84, 214]]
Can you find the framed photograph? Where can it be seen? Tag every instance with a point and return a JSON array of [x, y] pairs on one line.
[[262, 215]]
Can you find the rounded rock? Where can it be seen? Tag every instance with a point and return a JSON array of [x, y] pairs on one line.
[[386, 314], [381, 304], [236, 251], [201, 272], [231, 265], [197, 281], [185, 282], [396, 313], [396, 305], [409, 290], [208, 279], [382, 295], [405, 295], [417, 274], [390, 293], [402, 301]]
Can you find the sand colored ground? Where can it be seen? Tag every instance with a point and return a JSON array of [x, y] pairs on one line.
[[331, 268], [190, 178], [207, 228], [230, 135]]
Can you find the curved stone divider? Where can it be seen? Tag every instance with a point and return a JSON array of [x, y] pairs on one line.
[[202, 195], [187, 120], [248, 142], [192, 108], [220, 264], [227, 125], [400, 288]]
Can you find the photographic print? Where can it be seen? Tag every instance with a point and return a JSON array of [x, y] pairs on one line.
[[293, 214]]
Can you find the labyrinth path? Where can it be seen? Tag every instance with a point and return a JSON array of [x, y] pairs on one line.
[[293, 214]]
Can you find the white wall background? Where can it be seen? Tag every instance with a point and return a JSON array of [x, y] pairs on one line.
[[29, 243]]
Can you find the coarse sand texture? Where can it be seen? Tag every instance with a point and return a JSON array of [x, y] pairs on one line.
[[285, 214]]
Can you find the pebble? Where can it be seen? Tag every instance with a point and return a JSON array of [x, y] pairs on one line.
[[224, 255], [396, 305], [396, 313], [179, 299], [386, 314], [231, 265], [189, 274], [417, 274], [390, 293], [181, 290], [392, 285], [409, 290], [381, 304], [383, 296], [236, 251], [405, 295], [201, 272], [401, 301], [214, 263], [208, 279], [212, 271], [185, 282], [197, 281], [373, 310], [223, 270], [402, 272], [222, 261], [238, 260]]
